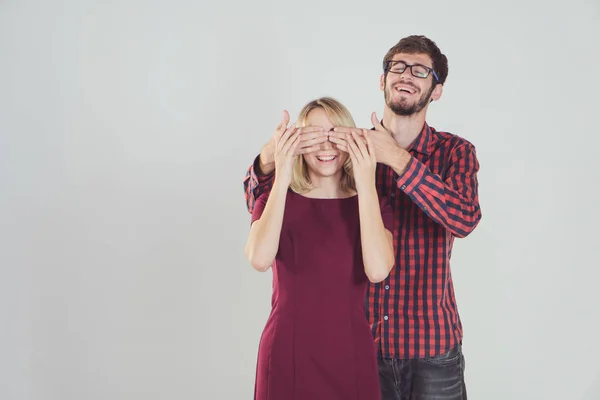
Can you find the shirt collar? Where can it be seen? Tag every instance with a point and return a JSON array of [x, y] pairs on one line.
[[423, 143]]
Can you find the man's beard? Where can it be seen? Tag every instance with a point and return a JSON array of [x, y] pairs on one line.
[[401, 108]]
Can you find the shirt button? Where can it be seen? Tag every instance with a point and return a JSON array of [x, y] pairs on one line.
[[403, 187], [385, 317], [393, 194], [387, 287], [425, 208]]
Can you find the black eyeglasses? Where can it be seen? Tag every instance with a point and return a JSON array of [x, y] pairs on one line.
[[416, 70]]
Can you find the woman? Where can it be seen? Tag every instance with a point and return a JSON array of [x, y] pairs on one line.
[[327, 234]]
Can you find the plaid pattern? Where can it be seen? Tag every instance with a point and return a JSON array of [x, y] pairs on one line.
[[413, 313], [255, 185]]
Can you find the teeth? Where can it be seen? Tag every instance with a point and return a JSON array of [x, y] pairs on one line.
[[403, 89], [325, 158]]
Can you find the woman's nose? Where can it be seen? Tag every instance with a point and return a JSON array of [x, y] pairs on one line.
[[326, 145]]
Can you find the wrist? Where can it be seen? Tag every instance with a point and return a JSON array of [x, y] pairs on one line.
[[399, 160], [280, 184], [265, 164], [365, 186]]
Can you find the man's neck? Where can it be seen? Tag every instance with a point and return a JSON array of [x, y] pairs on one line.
[[404, 129]]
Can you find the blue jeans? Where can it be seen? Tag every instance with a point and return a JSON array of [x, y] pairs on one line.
[[439, 377]]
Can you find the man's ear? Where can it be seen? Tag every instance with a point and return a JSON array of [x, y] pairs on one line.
[[437, 92], [382, 82]]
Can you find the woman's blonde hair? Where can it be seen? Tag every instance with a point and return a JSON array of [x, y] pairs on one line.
[[339, 115]]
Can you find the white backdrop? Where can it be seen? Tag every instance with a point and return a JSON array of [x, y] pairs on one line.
[[126, 128]]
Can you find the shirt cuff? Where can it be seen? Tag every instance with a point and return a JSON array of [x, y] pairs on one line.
[[257, 175], [413, 175]]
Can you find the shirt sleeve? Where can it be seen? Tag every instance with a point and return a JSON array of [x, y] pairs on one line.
[[256, 183], [452, 202]]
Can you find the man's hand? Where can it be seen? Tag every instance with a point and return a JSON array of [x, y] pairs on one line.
[[311, 138], [267, 153], [386, 150]]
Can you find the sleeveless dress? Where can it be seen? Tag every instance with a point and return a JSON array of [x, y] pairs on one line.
[[317, 343]]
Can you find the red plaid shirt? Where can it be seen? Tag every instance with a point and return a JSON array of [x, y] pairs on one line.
[[413, 313]]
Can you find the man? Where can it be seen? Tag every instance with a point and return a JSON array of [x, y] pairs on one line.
[[431, 178]]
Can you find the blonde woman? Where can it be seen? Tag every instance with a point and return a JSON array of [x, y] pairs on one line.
[[326, 234]]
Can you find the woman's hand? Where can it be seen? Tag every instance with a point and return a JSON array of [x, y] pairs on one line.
[[285, 146], [360, 149]]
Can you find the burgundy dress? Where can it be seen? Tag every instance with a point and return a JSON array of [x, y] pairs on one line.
[[317, 343]]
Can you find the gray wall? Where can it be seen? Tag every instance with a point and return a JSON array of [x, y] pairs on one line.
[[126, 128]]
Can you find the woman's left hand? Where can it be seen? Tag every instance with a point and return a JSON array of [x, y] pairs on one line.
[[362, 154]]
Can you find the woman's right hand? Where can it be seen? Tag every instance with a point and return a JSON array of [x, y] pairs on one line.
[[285, 147]]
